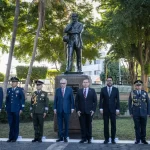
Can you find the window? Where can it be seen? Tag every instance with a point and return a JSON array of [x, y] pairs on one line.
[[97, 72], [96, 61]]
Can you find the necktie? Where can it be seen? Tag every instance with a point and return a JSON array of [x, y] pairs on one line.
[[63, 92], [139, 93], [109, 92], [84, 93]]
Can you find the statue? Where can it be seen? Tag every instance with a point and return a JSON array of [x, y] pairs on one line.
[[74, 42]]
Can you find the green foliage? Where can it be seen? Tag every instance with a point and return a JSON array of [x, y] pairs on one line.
[[113, 71], [125, 25], [37, 72], [25, 116], [50, 45], [123, 107], [147, 69], [52, 73], [1, 77]]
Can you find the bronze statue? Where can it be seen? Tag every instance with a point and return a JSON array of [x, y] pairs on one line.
[[74, 42]]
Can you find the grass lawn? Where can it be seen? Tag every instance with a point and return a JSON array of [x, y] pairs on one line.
[[125, 129]]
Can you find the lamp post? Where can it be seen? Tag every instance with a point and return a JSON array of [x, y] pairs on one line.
[[119, 73]]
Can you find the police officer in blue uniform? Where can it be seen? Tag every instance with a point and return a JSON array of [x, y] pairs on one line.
[[14, 106], [1, 98], [139, 108]]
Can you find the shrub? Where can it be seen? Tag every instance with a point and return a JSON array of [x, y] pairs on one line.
[[25, 116]]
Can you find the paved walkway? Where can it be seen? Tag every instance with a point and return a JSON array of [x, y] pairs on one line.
[[50, 144]]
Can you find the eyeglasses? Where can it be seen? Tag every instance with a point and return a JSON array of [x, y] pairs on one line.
[[62, 83], [109, 80]]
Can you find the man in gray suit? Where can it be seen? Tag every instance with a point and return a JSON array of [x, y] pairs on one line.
[[139, 108]]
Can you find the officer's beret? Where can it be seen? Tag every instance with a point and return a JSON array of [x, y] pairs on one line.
[[138, 82], [14, 79], [38, 82]]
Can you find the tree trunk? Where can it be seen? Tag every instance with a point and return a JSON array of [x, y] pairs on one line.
[[41, 3], [132, 72], [11, 50], [144, 78]]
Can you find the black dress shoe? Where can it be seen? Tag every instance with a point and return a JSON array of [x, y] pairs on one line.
[[106, 142], [113, 142], [34, 140], [39, 140], [82, 141], [59, 140], [89, 141], [137, 142], [13, 140], [144, 142], [9, 140], [65, 140]]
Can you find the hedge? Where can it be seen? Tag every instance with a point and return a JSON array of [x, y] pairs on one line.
[[123, 109], [25, 116]]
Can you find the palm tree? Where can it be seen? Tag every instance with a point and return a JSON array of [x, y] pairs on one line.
[[11, 50], [40, 25]]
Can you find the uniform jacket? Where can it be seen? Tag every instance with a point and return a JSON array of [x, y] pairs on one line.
[[65, 103], [39, 102], [139, 106], [1, 97], [85, 105], [15, 100]]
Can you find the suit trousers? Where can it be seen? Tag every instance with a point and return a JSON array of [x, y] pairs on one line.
[[112, 117], [63, 117], [13, 120], [140, 127], [38, 123], [86, 126]]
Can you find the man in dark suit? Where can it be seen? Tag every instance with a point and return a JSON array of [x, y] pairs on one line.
[[86, 102], [14, 106], [109, 107], [139, 108], [63, 107], [1, 98]]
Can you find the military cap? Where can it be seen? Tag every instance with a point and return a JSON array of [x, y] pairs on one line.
[[138, 82], [14, 79], [38, 82]]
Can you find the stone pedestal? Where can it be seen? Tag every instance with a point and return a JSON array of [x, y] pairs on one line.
[[74, 81]]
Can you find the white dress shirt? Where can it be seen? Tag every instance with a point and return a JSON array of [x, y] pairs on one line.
[[87, 90]]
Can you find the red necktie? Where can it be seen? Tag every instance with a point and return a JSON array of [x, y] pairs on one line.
[[63, 92], [84, 93]]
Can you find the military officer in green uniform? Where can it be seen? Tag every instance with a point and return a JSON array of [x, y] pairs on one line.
[[139, 108], [39, 109]]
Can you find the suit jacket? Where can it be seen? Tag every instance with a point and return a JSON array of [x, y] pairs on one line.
[[39, 102], [85, 105], [139, 106], [1, 97], [109, 103], [65, 103], [15, 100]]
